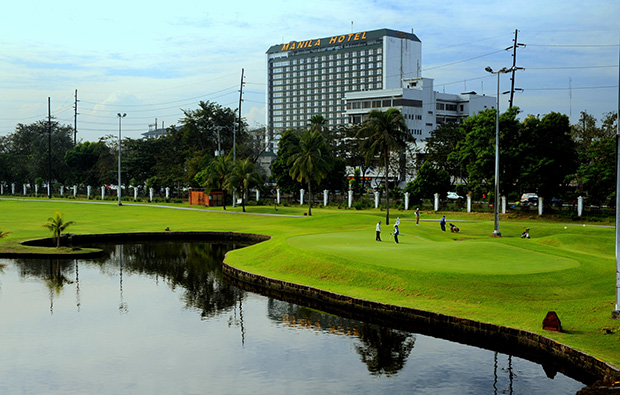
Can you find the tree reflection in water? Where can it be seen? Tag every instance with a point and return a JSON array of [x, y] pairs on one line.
[[196, 268], [384, 350], [53, 272]]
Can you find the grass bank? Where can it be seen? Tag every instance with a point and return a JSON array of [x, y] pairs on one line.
[[565, 267]]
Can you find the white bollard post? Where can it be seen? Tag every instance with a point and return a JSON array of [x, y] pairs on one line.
[[1, 188], [503, 204], [301, 197], [75, 191], [278, 195], [350, 198], [540, 205], [24, 189], [376, 199], [88, 192], [62, 190], [257, 195], [13, 189], [325, 192], [436, 202], [102, 193], [167, 193], [406, 201], [151, 191], [36, 190], [579, 206], [135, 193], [468, 204]]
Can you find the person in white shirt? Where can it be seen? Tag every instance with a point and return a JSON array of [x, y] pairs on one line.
[[378, 229]]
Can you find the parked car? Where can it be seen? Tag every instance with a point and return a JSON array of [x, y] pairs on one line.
[[454, 196], [529, 198]]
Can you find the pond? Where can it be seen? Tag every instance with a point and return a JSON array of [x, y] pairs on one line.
[[152, 318]]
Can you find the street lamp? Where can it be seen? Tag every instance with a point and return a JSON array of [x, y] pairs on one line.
[[120, 117], [496, 232]]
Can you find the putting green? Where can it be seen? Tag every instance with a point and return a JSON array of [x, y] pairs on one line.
[[415, 253]]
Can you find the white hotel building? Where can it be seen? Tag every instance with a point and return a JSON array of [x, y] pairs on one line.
[[344, 77]]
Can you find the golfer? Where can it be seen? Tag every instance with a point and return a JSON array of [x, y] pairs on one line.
[[378, 229], [396, 232], [417, 216]]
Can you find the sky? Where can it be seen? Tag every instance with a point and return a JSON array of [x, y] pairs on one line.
[[152, 61]]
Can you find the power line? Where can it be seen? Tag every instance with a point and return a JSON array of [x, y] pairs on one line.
[[464, 60], [574, 45], [615, 66]]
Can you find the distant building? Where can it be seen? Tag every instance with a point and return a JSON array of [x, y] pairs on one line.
[[423, 108], [346, 76], [155, 132]]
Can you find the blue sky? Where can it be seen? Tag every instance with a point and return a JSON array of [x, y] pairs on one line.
[[151, 60]]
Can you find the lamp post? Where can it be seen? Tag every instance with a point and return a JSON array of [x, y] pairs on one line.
[[120, 117], [616, 312], [496, 231]]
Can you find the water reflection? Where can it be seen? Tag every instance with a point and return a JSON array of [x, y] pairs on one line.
[[384, 350], [391, 358]]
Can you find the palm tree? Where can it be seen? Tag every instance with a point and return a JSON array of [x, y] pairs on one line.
[[214, 176], [383, 133], [311, 161], [57, 225], [242, 176], [318, 122]]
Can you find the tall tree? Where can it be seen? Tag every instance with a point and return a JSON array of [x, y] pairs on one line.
[[443, 141], [288, 144], [89, 163], [382, 134], [243, 176], [310, 162], [28, 148], [428, 181], [552, 157], [597, 171]]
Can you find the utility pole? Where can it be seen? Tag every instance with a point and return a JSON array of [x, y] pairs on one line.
[[234, 129], [49, 148], [514, 67], [75, 114]]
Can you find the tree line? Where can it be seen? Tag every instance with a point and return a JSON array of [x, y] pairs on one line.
[[546, 155]]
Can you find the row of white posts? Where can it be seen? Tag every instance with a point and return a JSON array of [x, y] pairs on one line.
[[301, 197], [88, 191], [436, 201]]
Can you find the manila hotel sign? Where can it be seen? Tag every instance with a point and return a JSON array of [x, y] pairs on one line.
[[345, 38]]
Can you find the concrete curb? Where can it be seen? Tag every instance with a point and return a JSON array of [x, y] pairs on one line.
[[552, 355]]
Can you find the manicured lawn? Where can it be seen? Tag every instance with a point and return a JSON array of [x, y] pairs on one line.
[[510, 281]]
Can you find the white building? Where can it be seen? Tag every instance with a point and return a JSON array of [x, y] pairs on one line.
[[423, 108]]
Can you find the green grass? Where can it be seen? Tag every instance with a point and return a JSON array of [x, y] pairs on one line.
[[508, 281]]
